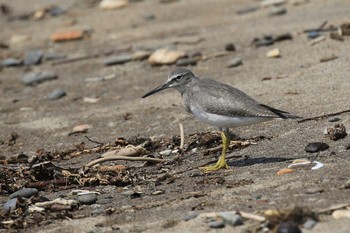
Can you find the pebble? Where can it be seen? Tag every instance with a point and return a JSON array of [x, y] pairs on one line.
[[266, 3], [87, 199], [141, 55], [10, 205], [34, 78], [190, 216], [313, 190], [11, 62], [313, 34], [33, 57], [285, 171], [186, 62], [336, 36], [158, 192], [345, 29], [113, 4], [230, 47], [281, 37], [17, 39], [165, 152], [338, 214], [165, 56], [309, 224], [81, 128], [314, 147], [56, 94], [117, 60], [231, 219], [216, 223], [346, 185], [67, 35], [277, 11], [247, 10], [273, 53], [288, 227], [234, 62], [328, 58], [90, 100], [334, 119], [24, 192], [266, 41]]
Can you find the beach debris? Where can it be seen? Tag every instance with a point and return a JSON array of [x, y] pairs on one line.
[[314, 147], [337, 132], [273, 53]]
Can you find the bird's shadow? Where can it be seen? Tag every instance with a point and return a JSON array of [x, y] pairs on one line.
[[248, 161]]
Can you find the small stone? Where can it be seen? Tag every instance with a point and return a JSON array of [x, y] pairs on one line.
[[334, 119], [345, 29], [186, 62], [56, 10], [33, 57], [230, 47], [314, 147], [328, 58], [24, 192], [247, 10], [285, 171], [231, 219], [158, 192], [266, 3], [87, 199], [277, 11], [17, 39], [117, 60], [337, 132], [81, 128], [309, 224], [56, 94], [288, 227], [165, 152], [11, 62], [282, 37], [336, 36], [346, 185], [274, 53], [91, 100], [113, 4], [216, 223], [313, 34], [313, 190], [234, 62], [67, 35], [165, 56], [141, 55], [10, 205], [338, 214], [34, 78], [266, 41], [190, 216]]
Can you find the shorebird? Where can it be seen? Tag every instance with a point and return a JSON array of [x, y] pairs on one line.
[[219, 105]]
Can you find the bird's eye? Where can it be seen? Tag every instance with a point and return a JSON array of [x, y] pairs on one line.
[[178, 77]]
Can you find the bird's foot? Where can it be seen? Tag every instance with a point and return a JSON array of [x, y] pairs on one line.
[[220, 164]]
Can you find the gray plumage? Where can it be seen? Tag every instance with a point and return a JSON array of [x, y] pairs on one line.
[[216, 103]]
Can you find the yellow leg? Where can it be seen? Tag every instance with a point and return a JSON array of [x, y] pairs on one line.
[[221, 163]]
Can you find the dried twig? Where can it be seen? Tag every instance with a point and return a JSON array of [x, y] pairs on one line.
[[252, 216], [182, 135], [324, 116], [100, 143], [111, 158]]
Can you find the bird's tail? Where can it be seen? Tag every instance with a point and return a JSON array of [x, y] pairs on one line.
[[280, 113]]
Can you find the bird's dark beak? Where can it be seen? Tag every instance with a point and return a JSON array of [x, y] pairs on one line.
[[157, 89]]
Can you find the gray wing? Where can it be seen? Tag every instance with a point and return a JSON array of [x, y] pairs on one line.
[[219, 98]]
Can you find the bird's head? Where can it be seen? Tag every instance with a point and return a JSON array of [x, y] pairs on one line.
[[178, 79]]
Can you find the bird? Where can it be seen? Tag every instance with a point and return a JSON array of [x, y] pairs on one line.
[[220, 105]]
